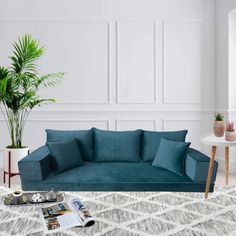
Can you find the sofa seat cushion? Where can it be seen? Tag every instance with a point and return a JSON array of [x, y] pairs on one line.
[[117, 172]]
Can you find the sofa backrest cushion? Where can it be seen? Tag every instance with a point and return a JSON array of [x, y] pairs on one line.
[[83, 137], [151, 141], [66, 155], [117, 145]]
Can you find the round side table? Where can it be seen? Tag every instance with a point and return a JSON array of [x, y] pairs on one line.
[[215, 142]]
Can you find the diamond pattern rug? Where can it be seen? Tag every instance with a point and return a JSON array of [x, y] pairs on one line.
[[136, 213]]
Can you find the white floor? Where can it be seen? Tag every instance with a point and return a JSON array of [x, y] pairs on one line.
[[220, 180]]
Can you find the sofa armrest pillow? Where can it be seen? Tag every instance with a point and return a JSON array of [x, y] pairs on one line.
[[36, 166], [171, 156], [197, 165], [151, 141], [117, 145], [66, 155], [83, 137]]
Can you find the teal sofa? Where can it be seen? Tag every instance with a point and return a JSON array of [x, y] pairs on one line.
[[126, 165]]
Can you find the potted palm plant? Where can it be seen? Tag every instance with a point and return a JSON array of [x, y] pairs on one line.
[[19, 86]]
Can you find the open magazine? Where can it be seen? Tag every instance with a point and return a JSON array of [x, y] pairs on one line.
[[62, 216]]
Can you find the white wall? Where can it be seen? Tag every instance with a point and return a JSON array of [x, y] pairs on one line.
[[225, 67], [223, 8], [130, 64]]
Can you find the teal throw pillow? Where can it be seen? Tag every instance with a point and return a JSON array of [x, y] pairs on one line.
[[151, 141], [66, 155], [171, 156], [84, 139]]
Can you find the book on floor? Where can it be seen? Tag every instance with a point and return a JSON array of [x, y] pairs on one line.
[[64, 215]]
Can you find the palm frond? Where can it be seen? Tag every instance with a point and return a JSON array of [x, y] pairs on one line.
[[3, 87], [3, 72], [49, 80], [37, 101], [25, 55], [4, 82]]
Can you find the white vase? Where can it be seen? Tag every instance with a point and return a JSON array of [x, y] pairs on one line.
[[16, 155]]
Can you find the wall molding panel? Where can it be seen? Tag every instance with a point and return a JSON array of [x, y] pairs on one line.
[[131, 73], [177, 87], [128, 66]]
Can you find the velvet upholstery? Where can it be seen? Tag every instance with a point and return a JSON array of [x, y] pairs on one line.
[[196, 166], [121, 172], [171, 156], [66, 155], [117, 145], [151, 141], [37, 173], [119, 176], [83, 137], [36, 166], [180, 187]]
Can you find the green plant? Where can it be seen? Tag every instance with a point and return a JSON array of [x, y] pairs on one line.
[[219, 117], [19, 86]]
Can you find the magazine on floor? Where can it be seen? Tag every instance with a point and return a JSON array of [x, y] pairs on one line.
[[65, 215]]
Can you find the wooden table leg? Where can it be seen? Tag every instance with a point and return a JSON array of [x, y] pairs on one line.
[[226, 165], [9, 181], [211, 165]]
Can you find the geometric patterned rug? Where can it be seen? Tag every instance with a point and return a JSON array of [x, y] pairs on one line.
[[136, 214]]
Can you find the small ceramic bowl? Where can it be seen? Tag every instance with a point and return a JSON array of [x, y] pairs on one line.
[[51, 196], [37, 197]]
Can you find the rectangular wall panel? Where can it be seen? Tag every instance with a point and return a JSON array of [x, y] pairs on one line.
[[135, 62], [135, 124], [81, 49], [193, 127], [183, 50]]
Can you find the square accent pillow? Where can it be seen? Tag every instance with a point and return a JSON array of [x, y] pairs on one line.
[[151, 141], [117, 145], [84, 139], [66, 155], [171, 156]]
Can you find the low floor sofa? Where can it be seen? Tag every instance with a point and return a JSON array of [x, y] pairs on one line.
[[114, 161]]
